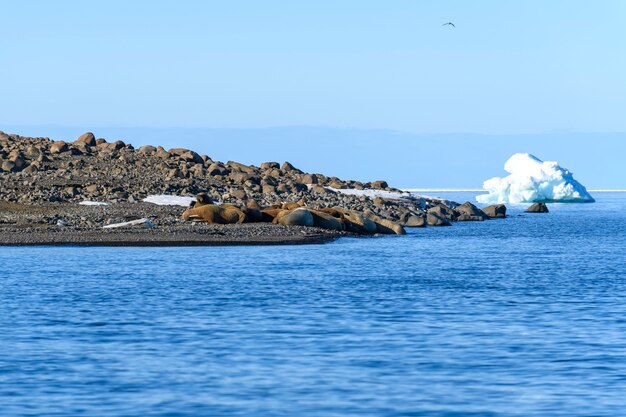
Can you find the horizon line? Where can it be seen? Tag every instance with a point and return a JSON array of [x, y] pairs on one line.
[[476, 190], [312, 126]]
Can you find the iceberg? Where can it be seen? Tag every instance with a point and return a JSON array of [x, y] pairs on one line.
[[532, 181]]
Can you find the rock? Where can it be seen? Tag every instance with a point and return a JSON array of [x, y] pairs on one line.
[[415, 221], [469, 218], [58, 147], [496, 211], [33, 167], [287, 167], [538, 208], [8, 166], [117, 145], [217, 169], [379, 185], [469, 212], [309, 179], [87, 138], [147, 149], [270, 165], [434, 219], [444, 212], [239, 194], [236, 166]]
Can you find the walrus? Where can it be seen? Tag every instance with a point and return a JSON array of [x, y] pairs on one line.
[[202, 199], [297, 217], [269, 214], [352, 221], [385, 226], [326, 221], [213, 214]]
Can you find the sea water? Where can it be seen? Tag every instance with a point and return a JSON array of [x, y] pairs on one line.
[[518, 317]]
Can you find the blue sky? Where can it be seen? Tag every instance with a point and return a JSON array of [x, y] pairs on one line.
[[509, 67]]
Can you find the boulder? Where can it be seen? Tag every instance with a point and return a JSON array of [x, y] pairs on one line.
[[379, 185], [8, 166], [87, 138], [434, 219], [147, 149], [287, 167], [467, 212], [444, 212], [318, 189], [58, 147], [270, 165], [213, 214], [538, 208], [309, 179], [236, 166], [415, 221], [496, 211]]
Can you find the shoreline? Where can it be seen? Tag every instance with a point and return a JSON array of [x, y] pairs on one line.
[[161, 241]]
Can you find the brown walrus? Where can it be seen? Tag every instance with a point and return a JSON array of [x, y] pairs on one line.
[[202, 199], [213, 214]]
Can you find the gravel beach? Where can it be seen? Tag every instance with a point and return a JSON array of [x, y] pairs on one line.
[[73, 224]]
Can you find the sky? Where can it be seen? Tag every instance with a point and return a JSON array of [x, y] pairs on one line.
[[509, 68]]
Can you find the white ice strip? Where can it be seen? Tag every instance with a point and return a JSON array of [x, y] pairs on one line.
[[145, 222], [169, 200], [93, 203], [533, 180], [391, 195]]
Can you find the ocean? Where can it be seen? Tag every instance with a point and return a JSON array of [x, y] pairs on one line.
[[524, 316]]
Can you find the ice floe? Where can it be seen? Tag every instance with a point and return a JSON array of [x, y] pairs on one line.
[[533, 180]]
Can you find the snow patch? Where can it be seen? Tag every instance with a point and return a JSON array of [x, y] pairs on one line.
[[93, 203], [169, 200], [533, 180], [390, 195]]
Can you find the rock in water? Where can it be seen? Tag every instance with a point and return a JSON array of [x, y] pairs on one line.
[[538, 208], [434, 219], [496, 211], [469, 212], [415, 221]]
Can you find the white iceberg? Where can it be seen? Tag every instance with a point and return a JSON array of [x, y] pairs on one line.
[[533, 180]]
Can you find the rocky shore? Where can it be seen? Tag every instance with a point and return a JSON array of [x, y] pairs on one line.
[[44, 182]]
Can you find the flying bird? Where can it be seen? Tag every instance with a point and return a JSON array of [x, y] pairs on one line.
[[449, 23]]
